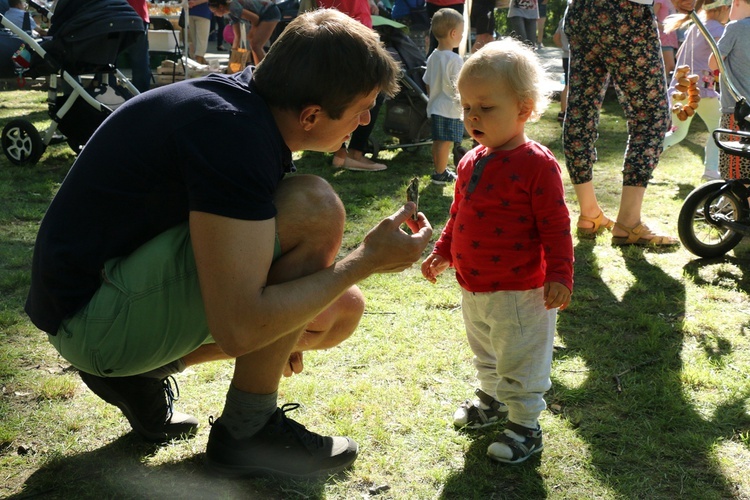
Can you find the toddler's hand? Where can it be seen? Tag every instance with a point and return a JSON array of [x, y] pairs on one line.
[[433, 266], [556, 295]]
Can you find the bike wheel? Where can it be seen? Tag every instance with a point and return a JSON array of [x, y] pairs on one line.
[[697, 234]]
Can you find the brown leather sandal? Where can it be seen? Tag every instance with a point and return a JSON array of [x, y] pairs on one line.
[[601, 223], [641, 235]]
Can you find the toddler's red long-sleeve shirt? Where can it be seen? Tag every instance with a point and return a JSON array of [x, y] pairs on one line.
[[509, 226]]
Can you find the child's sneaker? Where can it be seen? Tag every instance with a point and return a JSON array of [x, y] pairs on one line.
[[443, 178], [516, 444], [482, 413]]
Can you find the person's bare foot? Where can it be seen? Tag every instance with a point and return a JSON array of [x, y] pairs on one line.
[[640, 235]]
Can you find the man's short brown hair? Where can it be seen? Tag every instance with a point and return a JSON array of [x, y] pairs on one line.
[[325, 58]]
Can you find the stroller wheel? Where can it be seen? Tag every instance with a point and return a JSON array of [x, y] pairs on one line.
[[22, 143], [706, 237]]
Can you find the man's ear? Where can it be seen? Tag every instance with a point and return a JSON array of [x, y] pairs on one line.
[[309, 116]]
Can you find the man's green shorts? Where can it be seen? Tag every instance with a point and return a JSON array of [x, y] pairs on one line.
[[148, 311]]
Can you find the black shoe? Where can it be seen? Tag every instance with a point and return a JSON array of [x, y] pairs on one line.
[[147, 403], [443, 178], [282, 448]]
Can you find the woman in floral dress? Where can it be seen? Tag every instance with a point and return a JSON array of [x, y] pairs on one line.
[[615, 40]]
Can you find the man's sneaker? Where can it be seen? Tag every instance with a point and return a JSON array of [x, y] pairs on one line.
[[516, 444], [147, 403], [481, 413], [443, 178], [282, 448]]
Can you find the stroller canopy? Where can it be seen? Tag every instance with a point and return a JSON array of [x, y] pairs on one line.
[[81, 19], [88, 34]]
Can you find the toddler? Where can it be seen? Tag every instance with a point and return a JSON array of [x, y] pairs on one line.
[[509, 239], [694, 52], [443, 109]]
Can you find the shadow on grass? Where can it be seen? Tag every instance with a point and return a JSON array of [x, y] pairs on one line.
[[735, 272], [483, 478], [117, 470], [631, 409], [732, 273]]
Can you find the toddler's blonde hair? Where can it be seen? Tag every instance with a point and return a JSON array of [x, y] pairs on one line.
[[445, 20], [512, 62]]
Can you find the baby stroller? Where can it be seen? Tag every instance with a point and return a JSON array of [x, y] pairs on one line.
[[716, 216], [84, 38], [406, 113]]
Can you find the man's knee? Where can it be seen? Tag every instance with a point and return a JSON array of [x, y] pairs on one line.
[[310, 213], [335, 324]]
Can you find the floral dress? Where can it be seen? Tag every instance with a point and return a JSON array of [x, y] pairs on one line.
[[617, 40]]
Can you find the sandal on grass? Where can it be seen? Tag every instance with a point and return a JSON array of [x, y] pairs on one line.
[[641, 235], [472, 415], [601, 223], [516, 444]]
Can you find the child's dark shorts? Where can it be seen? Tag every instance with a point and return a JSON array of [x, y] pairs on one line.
[[447, 129]]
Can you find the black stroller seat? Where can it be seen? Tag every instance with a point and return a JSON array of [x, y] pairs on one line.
[[85, 37]]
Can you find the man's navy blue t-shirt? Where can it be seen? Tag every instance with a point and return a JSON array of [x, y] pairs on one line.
[[208, 145]]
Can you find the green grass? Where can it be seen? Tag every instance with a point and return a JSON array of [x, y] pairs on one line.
[[650, 373]]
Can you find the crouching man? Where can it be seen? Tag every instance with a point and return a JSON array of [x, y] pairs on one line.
[[162, 250]]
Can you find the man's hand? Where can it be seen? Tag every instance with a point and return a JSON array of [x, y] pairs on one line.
[[389, 249]]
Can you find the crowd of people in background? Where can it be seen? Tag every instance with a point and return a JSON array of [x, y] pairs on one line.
[[580, 35]]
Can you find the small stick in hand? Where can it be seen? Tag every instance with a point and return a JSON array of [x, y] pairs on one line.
[[412, 194]]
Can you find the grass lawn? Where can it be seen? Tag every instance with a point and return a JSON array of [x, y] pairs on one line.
[[650, 373]]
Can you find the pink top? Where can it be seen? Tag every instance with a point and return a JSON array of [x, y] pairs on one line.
[[141, 8], [445, 3], [356, 9], [667, 9]]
